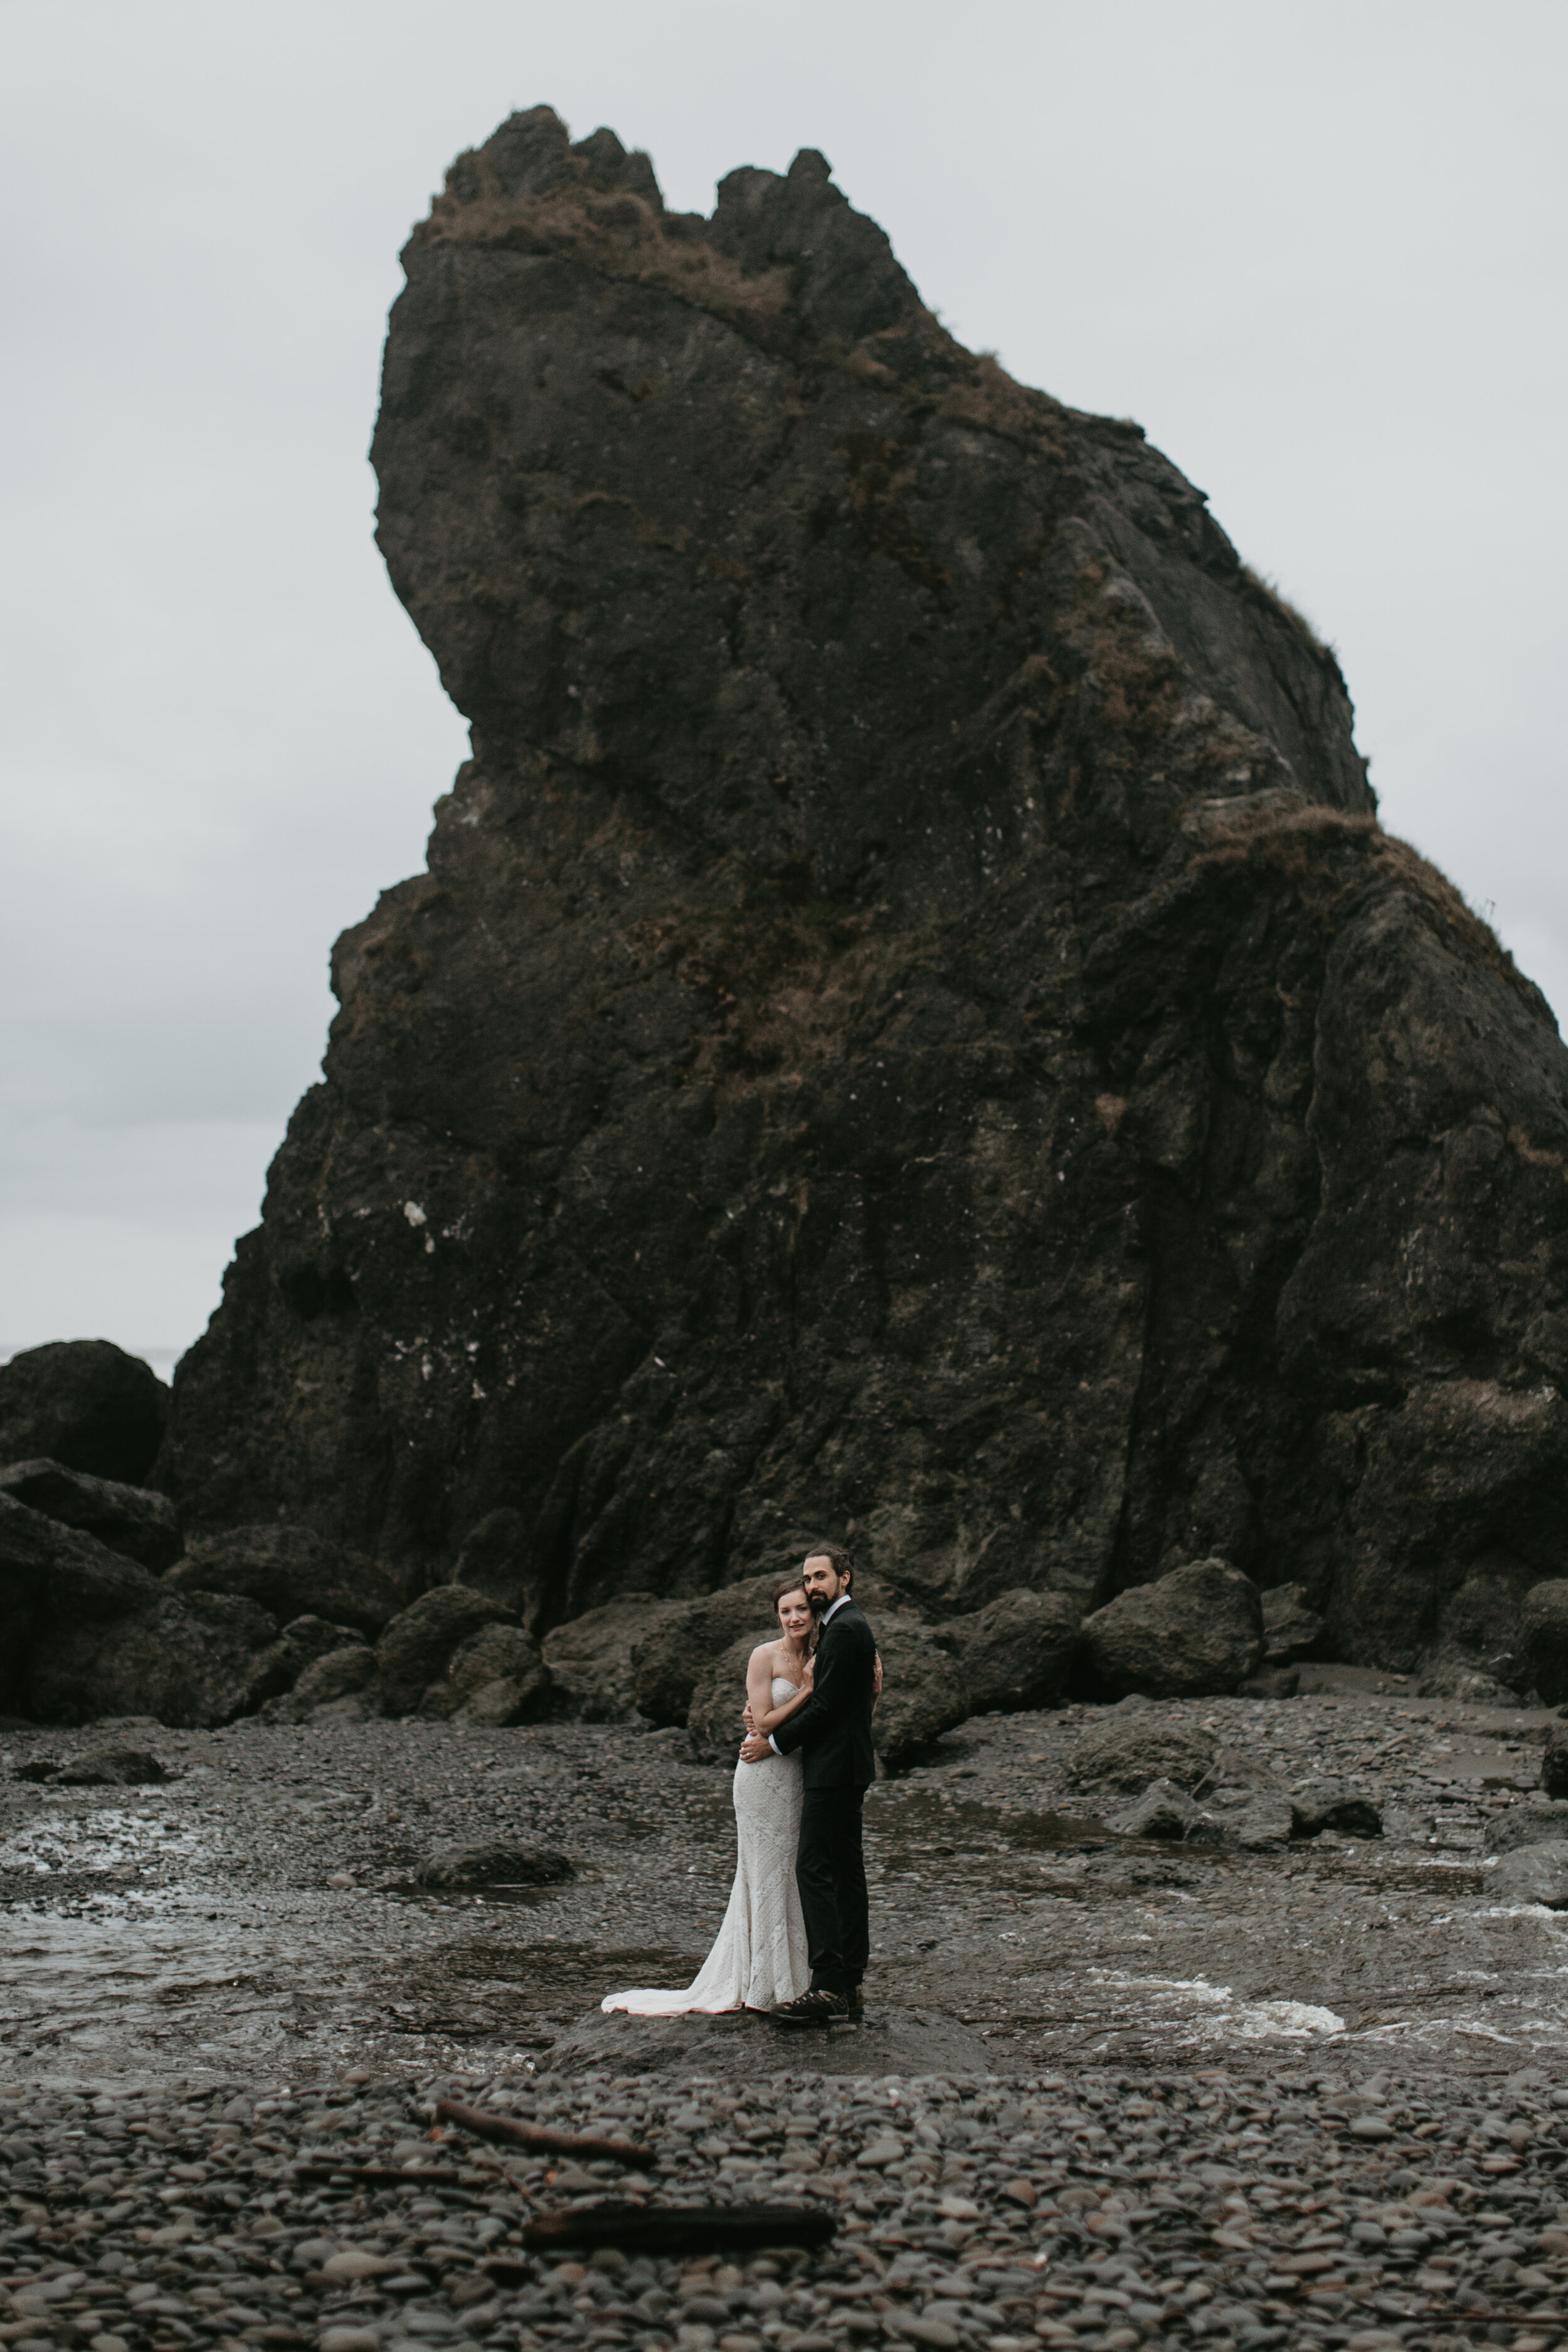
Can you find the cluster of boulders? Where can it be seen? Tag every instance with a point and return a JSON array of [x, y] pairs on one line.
[[1158, 1777]]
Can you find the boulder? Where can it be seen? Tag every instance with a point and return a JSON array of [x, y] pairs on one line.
[[346, 1675], [1544, 1639], [924, 1690], [1163, 1810], [1537, 1873], [298, 1647], [1317, 1805], [1290, 1628], [85, 1633], [1535, 1822], [453, 1867], [1266, 1822], [1130, 1752], [495, 1675], [416, 1647], [593, 1660], [131, 1520], [1195, 1632], [85, 1404], [291, 1572], [1473, 1683], [1015, 1653], [187, 1659], [1555, 1761], [111, 1768], [713, 1713]]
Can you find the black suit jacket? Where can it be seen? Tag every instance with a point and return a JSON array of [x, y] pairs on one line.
[[834, 1727]]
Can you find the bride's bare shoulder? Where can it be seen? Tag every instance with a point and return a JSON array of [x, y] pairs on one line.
[[768, 1650]]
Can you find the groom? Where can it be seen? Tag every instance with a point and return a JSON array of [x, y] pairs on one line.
[[834, 1727]]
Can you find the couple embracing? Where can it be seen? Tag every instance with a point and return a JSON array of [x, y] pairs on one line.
[[795, 1938]]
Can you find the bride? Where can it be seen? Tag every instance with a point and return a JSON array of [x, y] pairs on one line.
[[760, 1958]]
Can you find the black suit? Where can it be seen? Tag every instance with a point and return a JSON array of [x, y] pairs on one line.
[[833, 1730]]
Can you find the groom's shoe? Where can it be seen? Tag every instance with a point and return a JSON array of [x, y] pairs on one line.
[[810, 2009], [856, 1997]]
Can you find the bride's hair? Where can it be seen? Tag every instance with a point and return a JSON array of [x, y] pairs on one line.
[[794, 1584]]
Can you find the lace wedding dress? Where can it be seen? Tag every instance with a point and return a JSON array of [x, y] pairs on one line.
[[760, 1958]]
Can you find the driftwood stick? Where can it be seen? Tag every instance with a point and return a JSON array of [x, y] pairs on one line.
[[537, 2137], [678, 2229]]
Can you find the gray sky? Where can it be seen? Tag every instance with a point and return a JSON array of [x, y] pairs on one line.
[[1316, 251]]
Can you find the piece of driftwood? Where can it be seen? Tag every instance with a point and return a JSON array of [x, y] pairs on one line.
[[539, 2138], [678, 2229]]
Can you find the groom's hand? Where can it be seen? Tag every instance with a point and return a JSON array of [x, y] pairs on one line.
[[754, 1749]]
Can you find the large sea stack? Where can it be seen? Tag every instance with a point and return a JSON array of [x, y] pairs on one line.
[[911, 1025]]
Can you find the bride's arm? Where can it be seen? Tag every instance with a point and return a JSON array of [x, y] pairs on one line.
[[761, 1715]]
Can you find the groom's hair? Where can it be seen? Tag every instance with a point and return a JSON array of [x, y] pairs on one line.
[[843, 1566]]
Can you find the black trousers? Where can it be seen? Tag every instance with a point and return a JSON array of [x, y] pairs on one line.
[[830, 1872]]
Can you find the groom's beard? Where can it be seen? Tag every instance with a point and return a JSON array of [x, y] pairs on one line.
[[817, 1602]]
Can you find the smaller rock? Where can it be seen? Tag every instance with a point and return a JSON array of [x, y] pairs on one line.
[[1535, 1874], [291, 1572], [1473, 1683], [1554, 1762], [1290, 1629], [111, 1768], [415, 1649], [1317, 1805], [453, 1867], [1194, 1634], [131, 1520], [1163, 1810], [503, 1663], [345, 2338], [350, 1671], [1123, 1752], [356, 2262], [1535, 1822], [1266, 1822], [592, 1659]]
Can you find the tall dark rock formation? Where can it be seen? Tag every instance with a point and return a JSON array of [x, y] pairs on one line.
[[910, 1023]]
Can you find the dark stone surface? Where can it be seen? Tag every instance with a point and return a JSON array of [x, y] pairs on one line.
[[1320, 1805], [85, 1403], [111, 1768], [494, 1675], [1543, 1633], [1018, 1652], [1130, 1752], [1290, 1629], [131, 1520], [452, 1866], [1537, 1873], [1554, 1762], [1527, 1825], [415, 1651], [1194, 1634], [291, 1572], [911, 1024]]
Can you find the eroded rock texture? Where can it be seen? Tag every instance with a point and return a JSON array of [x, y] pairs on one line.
[[911, 1024]]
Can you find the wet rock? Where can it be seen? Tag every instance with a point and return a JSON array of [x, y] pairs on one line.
[[1163, 1810], [1130, 1752], [1555, 1761], [1535, 1822], [1473, 1683], [1537, 1873], [1264, 1823], [299, 1645], [451, 1867], [85, 1633], [1018, 1652], [348, 1673], [416, 1648], [131, 1520], [924, 1693], [1195, 1632], [111, 1768], [85, 1404], [1319, 1805], [494, 1675], [593, 1660], [291, 1572], [713, 1723], [1290, 1628], [1544, 1639]]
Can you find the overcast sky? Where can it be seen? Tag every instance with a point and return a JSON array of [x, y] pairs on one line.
[[1315, 250]]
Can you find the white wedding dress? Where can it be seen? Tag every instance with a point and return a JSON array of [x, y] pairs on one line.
[[760, 1956]]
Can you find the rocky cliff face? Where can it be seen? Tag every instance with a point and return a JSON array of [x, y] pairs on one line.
[[911, 1025]]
